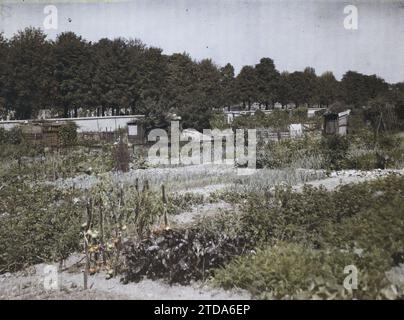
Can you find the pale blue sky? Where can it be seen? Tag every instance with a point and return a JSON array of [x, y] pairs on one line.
[[294, 33]]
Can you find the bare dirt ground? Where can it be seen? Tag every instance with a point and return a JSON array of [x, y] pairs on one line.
[[201, 211], [29, 284], [349, 176]]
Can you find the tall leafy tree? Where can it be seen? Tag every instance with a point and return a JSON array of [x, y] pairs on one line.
[[227, 86], [310, 85], [30, 86], [181, 80], [3, 74], [267, 81], [207, 96], [111, 81], [298, 93], [247, 86], [327, 89], [73, 72], [153, 72], [139, 73], [284, 89], [358, 89], [303, 86]]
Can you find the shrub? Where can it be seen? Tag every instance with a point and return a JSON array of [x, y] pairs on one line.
[[37, 224], [335, 149], [320, 233], [12, 136], [302, 216], [3, 136], [121, 156], [288, 270], [68, 134], [182, 255], [181, 202], [301, 153]]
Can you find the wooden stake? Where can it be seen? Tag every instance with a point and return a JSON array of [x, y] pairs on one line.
[[89, 221], [164, 206]]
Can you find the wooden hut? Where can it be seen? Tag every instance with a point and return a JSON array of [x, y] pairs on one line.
[[336, 119], [44, 133], [136, 132]]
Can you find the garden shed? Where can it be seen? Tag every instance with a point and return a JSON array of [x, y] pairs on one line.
[[336, 120], [136, 132], [44, 133]]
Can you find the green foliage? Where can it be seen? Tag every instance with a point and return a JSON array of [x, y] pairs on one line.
[[42, 223], [179, 255], [301, 216], [292, 271], [126, 76], [299, 153], [218, 121], [335, 148], [278, 120], [358, 89], [37, 163], [38, 224], [321, 232], [3, 135], [68, 134], [12, 136], [182, 202]]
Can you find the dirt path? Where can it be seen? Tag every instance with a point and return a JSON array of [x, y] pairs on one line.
[[349, 176], [29, 284], [201, 211]]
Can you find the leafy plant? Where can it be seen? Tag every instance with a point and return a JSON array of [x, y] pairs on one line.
[[292, 271], [68, 134], [179, 255]]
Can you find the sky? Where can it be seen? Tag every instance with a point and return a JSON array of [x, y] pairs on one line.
[[294, 33]]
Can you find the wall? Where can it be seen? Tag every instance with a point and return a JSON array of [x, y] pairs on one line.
[[85, 125]]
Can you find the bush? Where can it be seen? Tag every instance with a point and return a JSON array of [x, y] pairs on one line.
[[3, 135], [68, 134], [335, 149], [185, 255], [293, 271], [320, 230], [302, 216], [301, 153], [13, 136], [37, 224]]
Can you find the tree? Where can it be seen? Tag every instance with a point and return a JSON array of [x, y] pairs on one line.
[[303, 86], [397, 99], [208, 83], [73, 72], [30, 86], [381, 115], [310, 86], [327, 89], [247, 85], [3, 74], [284, 89], [267, 80], [357, 89], [298, 93], [182, 77], [153, 74], [111, 83], [227, 86]]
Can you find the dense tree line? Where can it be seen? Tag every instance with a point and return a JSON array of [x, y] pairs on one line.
[[128, 77]]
